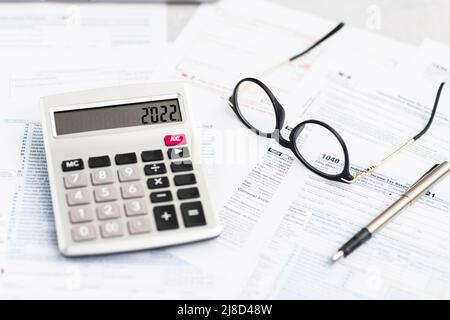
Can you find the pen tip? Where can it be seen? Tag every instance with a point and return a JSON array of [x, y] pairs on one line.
[[337, 256]]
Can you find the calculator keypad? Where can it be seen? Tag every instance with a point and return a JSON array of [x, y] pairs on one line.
[[98, 162], [181, 166], [102, 176], [106, 193], [81, 214], [78, 197], [193, 214], [72, 165], [135, 208], [185, 179], [107, 201], [139, 226], [84, 233], [129, 173], [152, 155], [161, 196], [111, 229], [158, 182], [155, 169], [126, 158], [178, 153], [165, 217], [108, 211], [132, 190], [75, 180], [188, 193]]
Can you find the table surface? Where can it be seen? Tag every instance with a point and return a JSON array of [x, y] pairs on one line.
[[409, 21]]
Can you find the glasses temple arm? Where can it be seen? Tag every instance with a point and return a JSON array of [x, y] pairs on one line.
[[318, 42], [433, 113], [287, 61], [369, 170]]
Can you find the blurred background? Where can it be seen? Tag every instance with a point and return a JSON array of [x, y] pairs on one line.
[[406, 20]]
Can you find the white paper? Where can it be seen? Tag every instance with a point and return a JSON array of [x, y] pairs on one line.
[[30, 262], [222, 44], [432, 63], [251, 211], [51, 25], [309, 218], [29, 75], [31, 265], [92, 53], [409, 258], [281, 222]]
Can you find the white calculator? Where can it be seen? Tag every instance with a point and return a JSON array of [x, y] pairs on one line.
[[124, 169]]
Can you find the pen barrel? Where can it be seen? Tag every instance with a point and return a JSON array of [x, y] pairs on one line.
[[388, 214], [418, 189]]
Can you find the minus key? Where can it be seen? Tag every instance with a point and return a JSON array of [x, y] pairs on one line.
[[161, 196]]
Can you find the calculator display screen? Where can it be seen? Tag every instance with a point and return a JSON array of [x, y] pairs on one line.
[[118, 116]]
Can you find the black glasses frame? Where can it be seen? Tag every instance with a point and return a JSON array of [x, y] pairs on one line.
[[290, 143], [280, 114]]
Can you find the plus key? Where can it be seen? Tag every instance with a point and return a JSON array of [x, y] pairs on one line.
[[165, 217]]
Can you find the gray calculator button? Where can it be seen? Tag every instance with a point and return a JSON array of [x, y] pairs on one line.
[[138, 226], [108, 211], [132, 190], [111, 229], [75, 180], [83, 233], [78, 197], [106, 193], [81, 214], [135, 208], [128, 173], [102, 176]]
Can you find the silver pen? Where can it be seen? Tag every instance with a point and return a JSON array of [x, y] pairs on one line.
[[418, 189]]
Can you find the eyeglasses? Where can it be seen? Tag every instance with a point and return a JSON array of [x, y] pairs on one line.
[[258, 109]]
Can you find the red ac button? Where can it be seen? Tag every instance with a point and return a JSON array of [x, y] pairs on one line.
[[175, 140]]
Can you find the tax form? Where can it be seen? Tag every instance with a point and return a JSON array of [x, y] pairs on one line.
[[352, 86], [432, 62], [410, 258], [50, 25], [213, 56], [222, 44]]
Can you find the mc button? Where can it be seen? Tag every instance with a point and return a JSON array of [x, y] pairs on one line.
[[72, 165]]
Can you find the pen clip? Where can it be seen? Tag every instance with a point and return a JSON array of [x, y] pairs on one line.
[[425, 174]]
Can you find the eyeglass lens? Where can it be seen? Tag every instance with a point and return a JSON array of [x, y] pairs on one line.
[[255, 107], [317, 145], [320, 148]]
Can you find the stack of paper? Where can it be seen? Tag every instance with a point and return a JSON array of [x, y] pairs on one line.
[[55, 49], [282, 225], [281, 222]]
